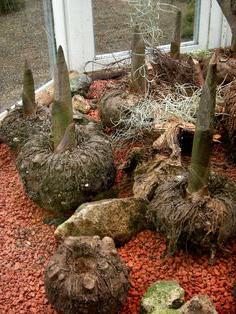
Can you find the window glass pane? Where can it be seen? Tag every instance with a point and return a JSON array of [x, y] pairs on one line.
[[112, 20], [22, 36]]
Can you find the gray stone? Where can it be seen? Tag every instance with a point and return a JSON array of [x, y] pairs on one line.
[[80, 83], [198, 305], [163, 297], [119, 219]]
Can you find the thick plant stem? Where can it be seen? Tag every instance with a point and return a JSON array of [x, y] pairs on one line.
[[228, 8], [138, 82], [62, 113], [175, 43], [68, 140], [28, 94], [201, 152]]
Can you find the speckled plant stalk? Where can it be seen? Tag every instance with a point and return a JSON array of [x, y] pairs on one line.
[[138, 82], [201, 152], [62, 113], [28, 94], [176, 41]]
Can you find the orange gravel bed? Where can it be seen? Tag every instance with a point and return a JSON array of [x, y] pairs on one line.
[[27, 244]]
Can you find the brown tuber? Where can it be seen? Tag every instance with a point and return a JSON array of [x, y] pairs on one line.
[[27, 120], [62, 171], [197, 210], [86, 275]]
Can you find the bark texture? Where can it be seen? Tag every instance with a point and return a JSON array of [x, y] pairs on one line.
[[16, 129], [171, 70], [86, 276], [201, 221], [230, 118], [228, 8], [202, 142], [63, 181]]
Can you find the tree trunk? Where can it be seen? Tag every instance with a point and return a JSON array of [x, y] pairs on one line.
[[175, 43], [138, 82], [62, 113], [199, 168], [228, 8]]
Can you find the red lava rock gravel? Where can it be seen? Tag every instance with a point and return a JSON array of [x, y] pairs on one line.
[[143, 254], [27, 244]]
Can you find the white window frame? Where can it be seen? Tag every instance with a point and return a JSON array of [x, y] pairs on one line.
[[73, 25], [73, 30]]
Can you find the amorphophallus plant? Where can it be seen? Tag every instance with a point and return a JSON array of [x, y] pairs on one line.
[[197, 209], [71, 165]]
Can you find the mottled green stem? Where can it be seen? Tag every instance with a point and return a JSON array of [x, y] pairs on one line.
[[68, 141], [202, 143], [62, 113], [176, 41], [138, 82], [28, 94]]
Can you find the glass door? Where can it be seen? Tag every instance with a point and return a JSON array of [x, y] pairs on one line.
[[111, 20], [23, 36]]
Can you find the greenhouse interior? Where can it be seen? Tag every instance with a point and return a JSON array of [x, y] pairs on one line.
[[118, 156]]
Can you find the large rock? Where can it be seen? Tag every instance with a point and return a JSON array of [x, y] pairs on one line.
[[80, 83], [198, 305], [116, 218], [163, 297]]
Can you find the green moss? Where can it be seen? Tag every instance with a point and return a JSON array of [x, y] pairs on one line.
[[163, 297]]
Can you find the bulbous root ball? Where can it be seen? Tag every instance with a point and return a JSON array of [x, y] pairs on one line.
[[86, 275], [16, 129], [201, 221], [230, 117], [63, 181], [114, 107]]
